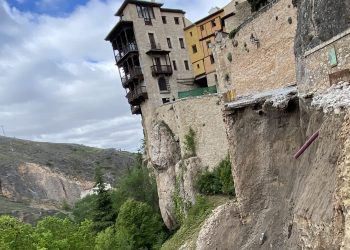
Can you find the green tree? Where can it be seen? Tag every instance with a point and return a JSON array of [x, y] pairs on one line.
[[103, 213], [105, 240], [138, 226], [53, 233], [15, 235], [84, 208]]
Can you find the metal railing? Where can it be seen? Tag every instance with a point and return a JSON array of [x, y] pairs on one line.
[[161, 69], [136, 93], [134, 72], [125, 50]]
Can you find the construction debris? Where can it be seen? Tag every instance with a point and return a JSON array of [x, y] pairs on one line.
[[336, 98]]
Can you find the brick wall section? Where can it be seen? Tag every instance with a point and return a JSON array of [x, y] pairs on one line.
[[204, 115], [316, 66], [254, 69]]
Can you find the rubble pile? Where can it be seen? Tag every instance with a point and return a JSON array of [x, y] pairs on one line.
[[336, 98]]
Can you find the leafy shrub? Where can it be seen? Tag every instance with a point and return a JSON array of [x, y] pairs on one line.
[[229, 57], [84, 208], [217, 182], [138, 226], [15, 234], [209, 183], [190, 143], [232, 34], [257, 4]]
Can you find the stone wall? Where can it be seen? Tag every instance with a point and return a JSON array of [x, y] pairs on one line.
[[203, 114], [316, 68], [165, 133], [262, 51]]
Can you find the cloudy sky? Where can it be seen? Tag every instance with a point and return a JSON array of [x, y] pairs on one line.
[[58, 81]]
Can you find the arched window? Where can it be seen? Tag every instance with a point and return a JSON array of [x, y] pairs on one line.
[[162, 84]]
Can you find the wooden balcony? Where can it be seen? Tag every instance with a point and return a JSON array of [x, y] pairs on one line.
[[137, 96], [155, 48], [135, 110], [161, 70], [135, 73], [125, 50]]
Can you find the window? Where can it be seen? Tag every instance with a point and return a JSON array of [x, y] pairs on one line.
[[198, 66], [213, 24], [176, 20], [182, 45], [162, 83], [187, 67], [165, 100], [212, 59], [169, 42], [164, 19], [202, 27], [146, 12], [194, 49], [174, 65], [216, 78], [209, 44], [152, 40], [191, 33]]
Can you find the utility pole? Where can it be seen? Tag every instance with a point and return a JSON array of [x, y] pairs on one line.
[[3, 132]]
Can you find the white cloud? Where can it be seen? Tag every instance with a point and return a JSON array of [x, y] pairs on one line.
[[58, 81]]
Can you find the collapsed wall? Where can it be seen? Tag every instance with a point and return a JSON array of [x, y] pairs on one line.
[[282, 202], [167, 152]]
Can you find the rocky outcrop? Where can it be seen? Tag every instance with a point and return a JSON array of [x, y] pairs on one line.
[[318, 21], [282, 202], [172, 171], [164, 154], [45, 176]]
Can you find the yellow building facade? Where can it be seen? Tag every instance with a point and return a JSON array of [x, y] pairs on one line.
[[199, 38]]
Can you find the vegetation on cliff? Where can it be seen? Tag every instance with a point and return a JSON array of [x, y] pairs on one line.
[[127, 217]]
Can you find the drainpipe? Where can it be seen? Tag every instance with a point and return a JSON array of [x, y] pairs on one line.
[[306, 145]]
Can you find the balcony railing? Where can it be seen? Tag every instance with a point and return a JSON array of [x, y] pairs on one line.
[[138, 95], [133, 73], [125, 50], [161, 69]]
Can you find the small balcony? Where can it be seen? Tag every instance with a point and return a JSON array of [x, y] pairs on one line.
[[130, 48], [135, 73], [155, 48], [137, 96], [135, 110], [161, 70]]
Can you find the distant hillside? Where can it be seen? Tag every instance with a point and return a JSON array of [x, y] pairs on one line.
[[44, 176]]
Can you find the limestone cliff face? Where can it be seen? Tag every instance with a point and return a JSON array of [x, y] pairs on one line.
[[45, 176], [282, 202]]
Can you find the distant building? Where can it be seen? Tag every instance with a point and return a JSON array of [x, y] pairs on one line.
[[200, 37], [151, 54]]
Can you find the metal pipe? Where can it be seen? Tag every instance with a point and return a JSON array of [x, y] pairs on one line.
[[306, 145]]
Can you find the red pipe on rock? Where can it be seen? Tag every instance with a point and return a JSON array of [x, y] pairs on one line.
[[306, 145]]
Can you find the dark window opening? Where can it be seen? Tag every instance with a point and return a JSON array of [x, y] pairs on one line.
[[191, 33], [177, 21], [216, 78], [146, 13], [198, 66], [165, 100], [182, 44], [152, 40], [194, 49], [213, 24], [169, 43], [162, 83], [164, 19], [212, 59], [202, 27], [209, 44], [174, 65], [187, 67]]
